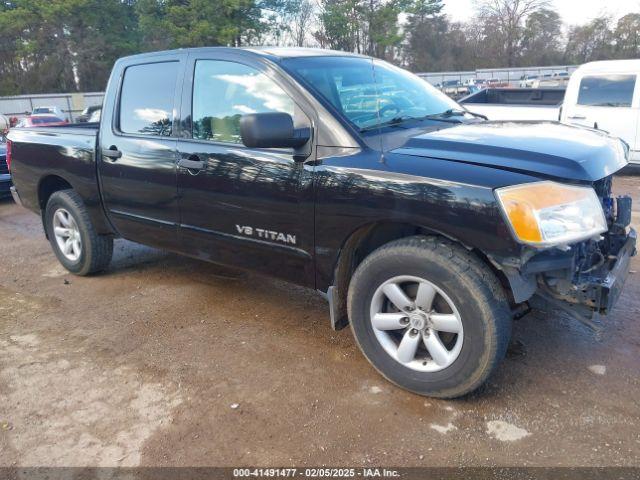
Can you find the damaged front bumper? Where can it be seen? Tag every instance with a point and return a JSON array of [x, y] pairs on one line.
[[607, 290], [589, 293], [583, 279]]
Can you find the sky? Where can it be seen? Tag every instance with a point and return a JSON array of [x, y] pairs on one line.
[[573, 12]]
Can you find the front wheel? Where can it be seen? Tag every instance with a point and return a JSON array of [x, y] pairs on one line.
[[72, 235], [429, 316]]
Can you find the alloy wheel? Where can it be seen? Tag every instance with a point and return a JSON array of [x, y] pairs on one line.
[[416, 323], [67, 234]]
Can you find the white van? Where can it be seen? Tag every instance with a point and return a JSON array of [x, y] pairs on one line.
[[606, 95]]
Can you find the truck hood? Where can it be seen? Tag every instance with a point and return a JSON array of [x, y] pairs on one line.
[[549, 149]]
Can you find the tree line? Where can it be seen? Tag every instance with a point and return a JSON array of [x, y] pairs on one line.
[[51, 46]]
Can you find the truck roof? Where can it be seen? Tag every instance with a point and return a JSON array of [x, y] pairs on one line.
[[274, 53], [290, 52], [610, 66]]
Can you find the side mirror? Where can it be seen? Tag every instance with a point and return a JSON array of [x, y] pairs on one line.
[[272, 130]]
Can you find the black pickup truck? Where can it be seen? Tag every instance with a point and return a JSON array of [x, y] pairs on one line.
[[426, 227]]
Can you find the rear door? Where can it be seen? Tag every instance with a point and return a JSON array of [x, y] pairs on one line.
[[248, 207], [137, 162], [608, 102]]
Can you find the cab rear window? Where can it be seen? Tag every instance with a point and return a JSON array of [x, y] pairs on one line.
[[607, 90]]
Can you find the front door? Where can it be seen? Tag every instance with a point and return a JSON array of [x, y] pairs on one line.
[[251, 208], [137, 163], [607, 102]]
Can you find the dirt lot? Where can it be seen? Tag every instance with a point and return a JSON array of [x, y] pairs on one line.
[[164, 360]]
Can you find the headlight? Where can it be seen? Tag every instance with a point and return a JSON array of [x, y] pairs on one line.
[[547, 213]]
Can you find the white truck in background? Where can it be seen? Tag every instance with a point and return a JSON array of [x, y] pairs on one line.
[[604, 95]]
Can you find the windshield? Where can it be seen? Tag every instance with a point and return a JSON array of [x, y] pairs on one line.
[[369, 92]]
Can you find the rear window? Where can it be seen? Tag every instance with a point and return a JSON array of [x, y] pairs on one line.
[[146, 101], [607, 90], [42, 120]]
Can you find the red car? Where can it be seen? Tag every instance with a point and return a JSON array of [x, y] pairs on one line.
[[41, 121]]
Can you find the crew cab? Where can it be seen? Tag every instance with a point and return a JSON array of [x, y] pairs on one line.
[[426, 228]]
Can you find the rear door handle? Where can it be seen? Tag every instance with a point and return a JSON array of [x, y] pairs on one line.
[[578, 117], [112, 152], [192, 163]]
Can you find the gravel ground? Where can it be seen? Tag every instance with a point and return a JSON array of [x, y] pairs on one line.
[[164, 360]]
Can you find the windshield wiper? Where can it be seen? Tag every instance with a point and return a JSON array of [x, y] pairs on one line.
[[474, 114], [445, 116], [610, 104], [393, 121], [453, 112]]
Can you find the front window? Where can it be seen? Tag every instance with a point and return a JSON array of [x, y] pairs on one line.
[[225, 91], [369, 92]]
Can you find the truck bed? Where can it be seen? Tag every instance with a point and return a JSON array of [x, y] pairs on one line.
[[516, 103], [55, 154]]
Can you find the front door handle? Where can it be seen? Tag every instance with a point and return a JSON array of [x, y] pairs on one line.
[[578, 117], [112, 152], [192, 163]]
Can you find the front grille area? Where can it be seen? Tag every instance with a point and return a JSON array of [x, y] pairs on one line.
[[3, 165]]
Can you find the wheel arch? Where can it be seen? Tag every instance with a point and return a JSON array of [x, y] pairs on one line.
[[47, 186], [367, 238]]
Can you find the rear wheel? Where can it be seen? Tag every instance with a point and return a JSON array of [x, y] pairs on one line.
[[72, 235], [429, 316]]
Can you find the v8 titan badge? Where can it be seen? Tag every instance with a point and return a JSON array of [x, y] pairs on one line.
[[265, 234]]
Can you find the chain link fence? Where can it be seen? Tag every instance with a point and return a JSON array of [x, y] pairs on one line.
[[510, 76]]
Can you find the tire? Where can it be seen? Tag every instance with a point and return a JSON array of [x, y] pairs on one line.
[[468, 300], [92, 252]]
